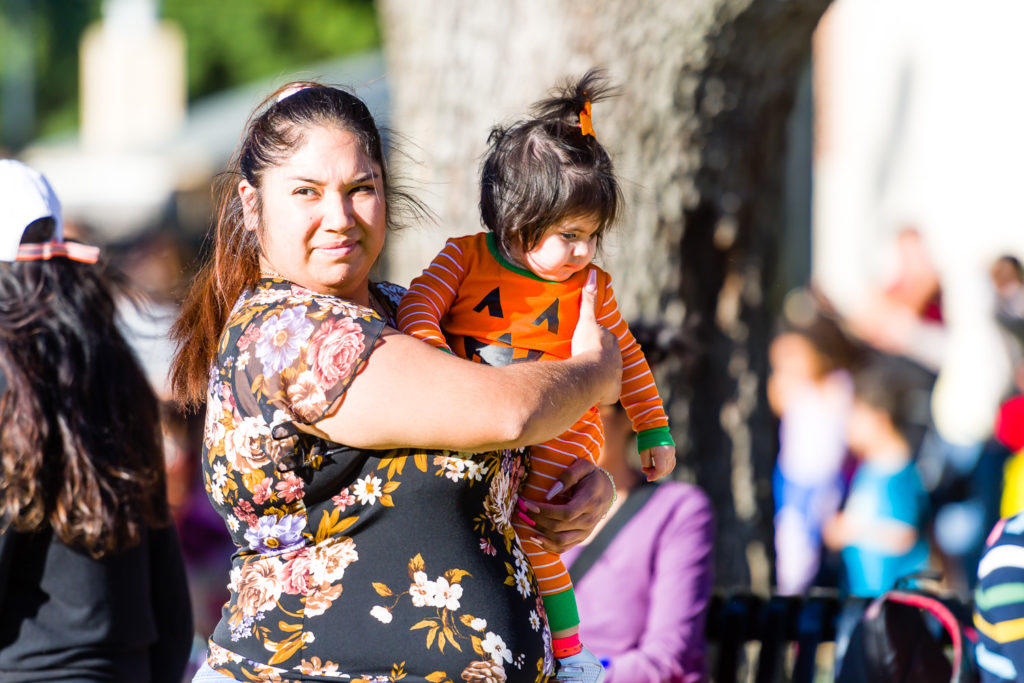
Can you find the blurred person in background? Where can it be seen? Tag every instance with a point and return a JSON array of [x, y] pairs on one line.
[[973, 475], [903, 316], [999, 604], [999, 593], [959, 462], [92, 584], [881, 529], [644, 577], [810, 390], [1008, 279], [153, 263], [1009, 432]]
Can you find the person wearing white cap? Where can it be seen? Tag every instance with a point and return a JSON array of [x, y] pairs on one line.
[[92, 582], [27, 198]]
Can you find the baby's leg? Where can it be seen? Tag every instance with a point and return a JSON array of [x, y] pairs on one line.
[[547, 462], [553, 581]]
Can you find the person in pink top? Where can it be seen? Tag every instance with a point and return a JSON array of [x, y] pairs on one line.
[[643, 596]]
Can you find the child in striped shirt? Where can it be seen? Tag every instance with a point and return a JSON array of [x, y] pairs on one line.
[[548, 194], [999, 604]]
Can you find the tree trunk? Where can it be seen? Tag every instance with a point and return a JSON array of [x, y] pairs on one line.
[[698, 138]]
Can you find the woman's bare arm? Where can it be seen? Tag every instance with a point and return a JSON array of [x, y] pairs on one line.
[[411, 394]]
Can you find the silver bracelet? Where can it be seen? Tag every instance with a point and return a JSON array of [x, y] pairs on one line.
[[614, 493]]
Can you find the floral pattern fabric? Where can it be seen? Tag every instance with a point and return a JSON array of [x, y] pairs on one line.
[[354, 564]]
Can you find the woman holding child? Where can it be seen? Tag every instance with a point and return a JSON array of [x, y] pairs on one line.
[[365, 476]]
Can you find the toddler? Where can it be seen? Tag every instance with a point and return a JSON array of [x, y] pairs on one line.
[[512, 293], [811, 391], [880, 530]]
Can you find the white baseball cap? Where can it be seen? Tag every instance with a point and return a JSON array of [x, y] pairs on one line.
[[25, 197]]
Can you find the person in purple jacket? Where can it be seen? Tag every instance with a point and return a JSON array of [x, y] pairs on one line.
[[643, 594]]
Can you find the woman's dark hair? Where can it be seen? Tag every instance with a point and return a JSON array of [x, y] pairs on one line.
[[274, 131], [80, 445], [540, 171]]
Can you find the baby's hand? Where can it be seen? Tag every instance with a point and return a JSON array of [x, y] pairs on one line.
[[657, 461]]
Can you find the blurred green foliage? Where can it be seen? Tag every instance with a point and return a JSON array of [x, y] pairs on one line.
[[228, 42], [47, 33], [235, 41]]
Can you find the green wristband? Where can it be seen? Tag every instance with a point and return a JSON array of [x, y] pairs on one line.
[[649, 438]]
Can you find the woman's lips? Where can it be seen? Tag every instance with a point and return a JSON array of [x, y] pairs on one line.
[[338, 248]]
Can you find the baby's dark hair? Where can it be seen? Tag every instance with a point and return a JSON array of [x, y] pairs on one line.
[[542, 170]]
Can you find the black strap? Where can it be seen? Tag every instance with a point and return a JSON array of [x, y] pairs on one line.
[[634, 501]]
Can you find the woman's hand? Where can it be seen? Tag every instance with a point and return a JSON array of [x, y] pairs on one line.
[[591, 336], [561, 526]]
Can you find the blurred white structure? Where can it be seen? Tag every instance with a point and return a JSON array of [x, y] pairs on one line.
[[918, 110], [132, 84], [132, 78]]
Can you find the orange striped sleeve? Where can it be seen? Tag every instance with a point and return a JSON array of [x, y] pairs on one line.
[[639, 392], [430, 295]]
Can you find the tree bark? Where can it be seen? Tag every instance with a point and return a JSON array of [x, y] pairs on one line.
[[698, 138]]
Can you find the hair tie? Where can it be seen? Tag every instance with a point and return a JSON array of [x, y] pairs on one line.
[[586, 122]]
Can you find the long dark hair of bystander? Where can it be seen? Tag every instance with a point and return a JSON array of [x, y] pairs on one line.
[[80, 448]]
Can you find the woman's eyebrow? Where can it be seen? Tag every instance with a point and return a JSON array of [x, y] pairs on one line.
[[369, 175], [302, 179]]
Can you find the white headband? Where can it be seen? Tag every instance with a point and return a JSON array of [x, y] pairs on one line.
[[291, 90]]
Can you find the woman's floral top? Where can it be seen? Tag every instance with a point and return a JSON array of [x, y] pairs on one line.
[[354, 564]]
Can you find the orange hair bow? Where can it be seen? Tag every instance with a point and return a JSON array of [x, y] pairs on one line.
[[586, 122]]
